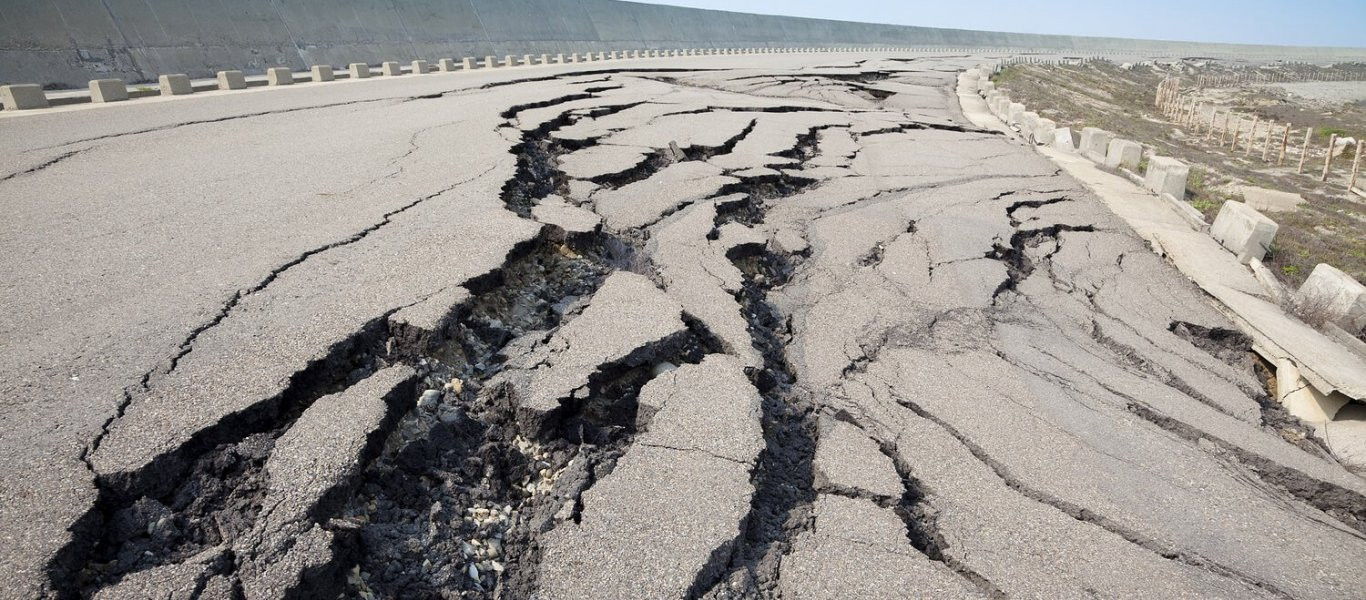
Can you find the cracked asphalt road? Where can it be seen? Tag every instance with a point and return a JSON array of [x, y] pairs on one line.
[[734, 327]]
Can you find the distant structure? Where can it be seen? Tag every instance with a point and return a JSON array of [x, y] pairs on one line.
[[66, 44]]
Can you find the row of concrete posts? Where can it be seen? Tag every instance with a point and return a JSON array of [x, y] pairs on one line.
[[1241, 229]]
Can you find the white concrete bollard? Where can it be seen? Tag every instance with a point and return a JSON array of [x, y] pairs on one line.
[[23, 96], [108, 90], [175, 85], [1043, 131], [322, 73], [445, 65], [1243, 230], [1123, 153], [1062, 139], [279, 76], [390, 68], [1095, 142], [509, 61], [490, 62], [559, 59], [231, 80], [1341, 297], [574, 57], [467, 63], [359, 70], [419, 67], [527, 60], [1013, 112], [1167, 175]]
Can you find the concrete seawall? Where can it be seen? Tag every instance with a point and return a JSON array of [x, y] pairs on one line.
[[64, 44]]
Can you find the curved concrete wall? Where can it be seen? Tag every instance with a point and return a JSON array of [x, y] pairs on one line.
[[67, 42]]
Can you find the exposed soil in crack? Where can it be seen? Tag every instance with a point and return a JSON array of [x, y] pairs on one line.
[[208, 492], [1019, 266], [538, 174], [457, 499]]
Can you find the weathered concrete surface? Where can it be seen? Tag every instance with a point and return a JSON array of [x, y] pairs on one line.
[[846, 344]]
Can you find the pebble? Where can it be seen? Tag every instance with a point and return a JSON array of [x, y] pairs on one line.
[[429, 400]]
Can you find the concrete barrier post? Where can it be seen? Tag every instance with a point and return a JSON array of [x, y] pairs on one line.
[[390, 68], [574, 57], [419, 67], [1123, 153], [467, 63], [1095, 143], [559, 59], [490, 62], [108, 90], [509, 60], [1167, 175], [231, 80], [445, 65], [23, 96], [527, 60], [279, 76], [359, 70], [1342, 297], [175, 85], [322, 73], [1244, 231]]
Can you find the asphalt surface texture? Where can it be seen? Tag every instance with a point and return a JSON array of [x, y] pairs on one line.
[[772, 326]]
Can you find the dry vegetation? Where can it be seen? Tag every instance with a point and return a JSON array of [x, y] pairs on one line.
[[1330, 227]]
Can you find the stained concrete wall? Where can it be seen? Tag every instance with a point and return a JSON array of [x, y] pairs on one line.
[[67, 42]]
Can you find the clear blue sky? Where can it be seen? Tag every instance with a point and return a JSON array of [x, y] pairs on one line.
[[1288, 22]]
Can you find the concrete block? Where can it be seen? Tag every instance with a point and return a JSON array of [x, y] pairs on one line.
[[1340, 296], [419, 67], [1043, 131], [527, 60], [1094, 144], [559, 59], [445, 65], [490, 62], [322, 73], [231, 80], [613, 55], [467, 63], [1243, 230], [359, 70], [175, 85], [23, 96], [390, 68], [574, 57], [1167, 175], [509, 60], [1062, 139], [279, 76], [108, 90], [1027, 121], [1123, 153]]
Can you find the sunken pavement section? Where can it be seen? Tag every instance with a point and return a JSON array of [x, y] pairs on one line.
[[787, 329]]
